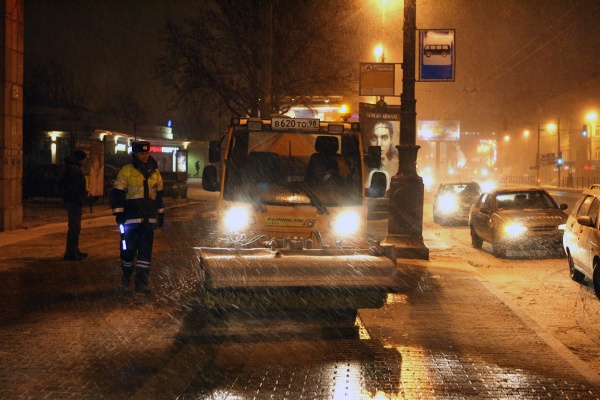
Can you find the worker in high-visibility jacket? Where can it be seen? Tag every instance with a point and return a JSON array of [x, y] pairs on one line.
[[137, 203]]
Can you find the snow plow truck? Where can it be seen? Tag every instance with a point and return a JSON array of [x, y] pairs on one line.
[[292, 220]]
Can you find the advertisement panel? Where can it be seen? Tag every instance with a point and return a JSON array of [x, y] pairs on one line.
[[438, 131], [182, 159], [381, 127], [94, 166]]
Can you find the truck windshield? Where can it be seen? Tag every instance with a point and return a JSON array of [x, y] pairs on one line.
[[293, 168]]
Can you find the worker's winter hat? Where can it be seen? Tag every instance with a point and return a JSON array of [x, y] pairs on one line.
[[79, 155], [140, 146]]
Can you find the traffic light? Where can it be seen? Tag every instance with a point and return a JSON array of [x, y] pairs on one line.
[[559, 161], [584, 131]]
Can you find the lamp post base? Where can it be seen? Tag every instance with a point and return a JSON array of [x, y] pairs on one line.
[[405, 221], [408, 246]]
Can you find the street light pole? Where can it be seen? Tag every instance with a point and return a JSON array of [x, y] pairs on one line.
[[537, 158], [591, 116], [558, 164], [405, 222], [380, 54]]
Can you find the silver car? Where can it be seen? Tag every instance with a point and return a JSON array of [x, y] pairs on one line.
[[453, 200], [517, 218]]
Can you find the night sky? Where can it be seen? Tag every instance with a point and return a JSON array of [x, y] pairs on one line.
[[111, 45], [512, 55]]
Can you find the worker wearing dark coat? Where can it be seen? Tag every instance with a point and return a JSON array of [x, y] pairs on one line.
[[74, 192], [137, 203]]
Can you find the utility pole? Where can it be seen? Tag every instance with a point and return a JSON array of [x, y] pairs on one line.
[[405, 223], [408, 104], [559, 155], [537, 158], [267, 60]]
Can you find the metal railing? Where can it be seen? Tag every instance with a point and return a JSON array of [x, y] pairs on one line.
[[575, 182], [518, 180]]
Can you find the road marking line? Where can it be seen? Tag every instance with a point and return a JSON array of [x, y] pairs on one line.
[[577, 364]]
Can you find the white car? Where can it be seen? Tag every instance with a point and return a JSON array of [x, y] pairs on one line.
[[581, 239]]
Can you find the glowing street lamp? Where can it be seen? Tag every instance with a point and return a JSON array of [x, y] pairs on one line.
[[379, 54], [592, 116]]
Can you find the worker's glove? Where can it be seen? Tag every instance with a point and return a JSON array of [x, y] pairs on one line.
[[120, 218], [161, 220]]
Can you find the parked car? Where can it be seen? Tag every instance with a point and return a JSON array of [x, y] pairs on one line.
[[581, 239], [174, 184], [517, 218], [453, 201]]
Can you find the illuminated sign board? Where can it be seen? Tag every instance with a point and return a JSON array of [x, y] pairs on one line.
[[163, 149], [438, 131]]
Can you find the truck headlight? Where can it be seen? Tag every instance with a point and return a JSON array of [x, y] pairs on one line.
[[236, 219], [514, 229], [448, 203], [346, 223]]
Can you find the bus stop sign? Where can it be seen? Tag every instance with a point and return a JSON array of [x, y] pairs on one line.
[[436, 55], [376, 79]]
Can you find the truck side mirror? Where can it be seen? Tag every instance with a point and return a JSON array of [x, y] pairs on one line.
[[585, 220], [214, 152], [373, 157], [378, 185], [209, 179]]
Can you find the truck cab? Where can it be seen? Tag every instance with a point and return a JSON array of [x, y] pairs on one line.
[[292, 216], [293, 177]]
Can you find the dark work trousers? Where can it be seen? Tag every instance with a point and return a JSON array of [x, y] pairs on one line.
[[74, 211], [139, 243]]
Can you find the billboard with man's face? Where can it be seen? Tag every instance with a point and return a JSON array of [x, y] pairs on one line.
[[381, 127]]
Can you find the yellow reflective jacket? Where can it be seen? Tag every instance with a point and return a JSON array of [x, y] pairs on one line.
[[138, 192]]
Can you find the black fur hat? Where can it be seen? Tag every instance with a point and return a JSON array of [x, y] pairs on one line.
[[140, 146]]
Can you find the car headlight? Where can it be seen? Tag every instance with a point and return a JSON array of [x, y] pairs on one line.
[[346, 223], [448, 203], [514, 229], [236, 219]]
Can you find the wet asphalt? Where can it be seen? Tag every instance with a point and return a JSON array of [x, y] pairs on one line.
[[68, 331]]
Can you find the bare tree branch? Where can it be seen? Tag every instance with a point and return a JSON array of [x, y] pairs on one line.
[[217, 54]]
